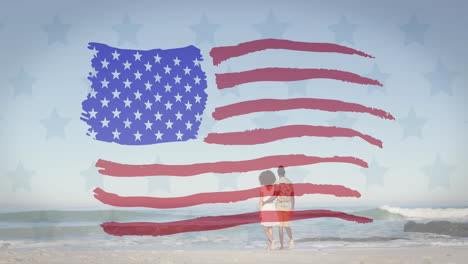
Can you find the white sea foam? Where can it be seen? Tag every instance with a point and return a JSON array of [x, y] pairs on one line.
[[449, 244], [427, 213]]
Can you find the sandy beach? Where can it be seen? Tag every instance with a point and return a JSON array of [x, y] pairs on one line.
[[423, 255]]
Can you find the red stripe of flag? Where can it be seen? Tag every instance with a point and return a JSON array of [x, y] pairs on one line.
[[124, 170], [262, 136], [228, 80], [220, 54], [218, 222], [217, 197], [271, 105]]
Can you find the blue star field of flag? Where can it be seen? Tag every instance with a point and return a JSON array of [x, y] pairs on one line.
[[145, 97]]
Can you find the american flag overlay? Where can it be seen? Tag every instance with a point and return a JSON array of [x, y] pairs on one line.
[[157, 96]]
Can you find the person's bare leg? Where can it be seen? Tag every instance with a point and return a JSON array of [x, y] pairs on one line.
[[272, 239], [269, 234], [281, 237], [289, 231], [291, 240]]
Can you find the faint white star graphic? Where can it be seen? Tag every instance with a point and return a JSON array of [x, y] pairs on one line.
[[21, 177], [344, 31], [272, 27], [297, 88], [441, 80], [55, 125], [23, 83], [380, 76], [228, 181], [233, 90], [205, 31], [412, 125], [127, 31], [57, 31], [270, 120], [93, 178], [374, 173], [414, 31], [342, 120], [439, 173]]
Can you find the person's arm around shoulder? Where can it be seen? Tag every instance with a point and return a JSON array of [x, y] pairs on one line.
[[273, 196], [283, 190], [260, 199], [293, 199]]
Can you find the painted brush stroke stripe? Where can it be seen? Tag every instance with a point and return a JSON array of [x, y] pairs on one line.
[[218, 222], [220, 54], [262, 136], [217, 197], [123, 170], [228, 80], [273, 105]]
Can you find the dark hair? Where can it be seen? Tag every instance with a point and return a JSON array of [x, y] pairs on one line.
[[267, 178], [281, 170]]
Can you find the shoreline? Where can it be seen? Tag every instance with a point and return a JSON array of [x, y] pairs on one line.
[[432, 254], [219, 246]]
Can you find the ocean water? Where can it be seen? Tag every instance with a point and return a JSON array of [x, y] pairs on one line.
[[80, 229]]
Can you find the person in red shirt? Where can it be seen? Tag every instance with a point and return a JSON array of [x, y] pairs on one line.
[[284, 206]]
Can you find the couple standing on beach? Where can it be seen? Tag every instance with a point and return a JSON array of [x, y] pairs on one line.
[[276, 205]]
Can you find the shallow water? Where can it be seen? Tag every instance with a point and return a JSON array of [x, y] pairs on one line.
[[81, 229]]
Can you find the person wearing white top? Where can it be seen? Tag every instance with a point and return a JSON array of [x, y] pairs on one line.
[[267, 205]]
